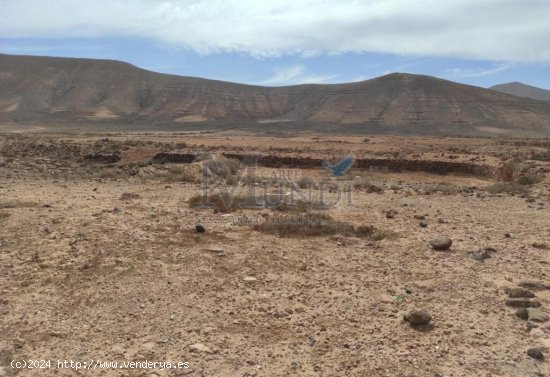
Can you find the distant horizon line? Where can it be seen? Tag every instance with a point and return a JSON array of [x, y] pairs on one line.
[[267, 86]]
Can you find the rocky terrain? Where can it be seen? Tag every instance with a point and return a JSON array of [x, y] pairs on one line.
[[437, 265], [46, 93]]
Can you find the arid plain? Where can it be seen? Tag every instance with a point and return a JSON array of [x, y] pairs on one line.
[[100, 257]]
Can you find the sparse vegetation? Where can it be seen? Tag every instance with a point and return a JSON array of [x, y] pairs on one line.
[[14, 203], [225, 168], [179, 174], [508, 188], [316, 224], [508, 170], [527, 180], [223, 202], [129, 196], [305, 182], [364, 184]]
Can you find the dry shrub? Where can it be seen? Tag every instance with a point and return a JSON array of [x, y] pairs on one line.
[[226, 168], [129, 196], [540, 156], [298, 206], [223, 202], [13, 203], [508, 170], [315, 224], [527, 180], [364, 184], [179, 174], [446, 189], [305, 182], [508, 188]]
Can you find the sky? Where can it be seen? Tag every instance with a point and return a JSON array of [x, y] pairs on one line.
[[288, 42]]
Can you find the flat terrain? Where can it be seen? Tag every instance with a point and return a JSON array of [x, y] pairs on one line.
[[100, 258]]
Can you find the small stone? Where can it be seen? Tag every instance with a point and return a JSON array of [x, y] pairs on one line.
[[391, 213], [199, 348], [249, 279], [507, 235], [535, 353], [519, 292], [480, 255], [522, 303], [423, 223], [538, 245], [129, 195], [441, 221], [418, 317], [215, 249], [441, 243], [420, 217], [199, 228]]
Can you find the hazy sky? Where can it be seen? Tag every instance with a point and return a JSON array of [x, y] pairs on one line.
[[480, 42]]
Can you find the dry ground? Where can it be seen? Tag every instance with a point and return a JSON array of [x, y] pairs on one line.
[[85, 275]]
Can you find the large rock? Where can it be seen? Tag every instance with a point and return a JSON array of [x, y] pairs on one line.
[[519, 292], [534, 284], [532, 314], [418, 317], [522, 303], [535, 353], [441, 243]]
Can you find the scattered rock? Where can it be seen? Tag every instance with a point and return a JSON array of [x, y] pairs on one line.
[[249, 279], [390, 214], [423, 223], [420, 217], [480, 255], [507, 235], [519, 292], [536, 353], [418, 317], [522, 303], [129, 196], [534, 285], [538, 245], [215, 249], [441, 221], [441, 243], [199, 228], [199, 348], [532, 314]]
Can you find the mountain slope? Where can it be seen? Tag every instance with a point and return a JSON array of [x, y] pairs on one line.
[[63, 90], [523, 90]]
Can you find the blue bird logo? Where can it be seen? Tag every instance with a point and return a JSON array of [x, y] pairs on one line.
[[341, 167]]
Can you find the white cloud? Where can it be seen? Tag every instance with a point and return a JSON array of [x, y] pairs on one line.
[[498, 30], [478, 72], [295, 75]]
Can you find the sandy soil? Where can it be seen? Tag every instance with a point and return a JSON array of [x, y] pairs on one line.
[[85, 275]]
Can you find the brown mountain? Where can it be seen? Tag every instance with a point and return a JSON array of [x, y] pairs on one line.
[[523, 90], [115, 95]]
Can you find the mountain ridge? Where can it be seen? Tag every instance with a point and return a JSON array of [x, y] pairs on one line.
[[523, 90], [46, 90]]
